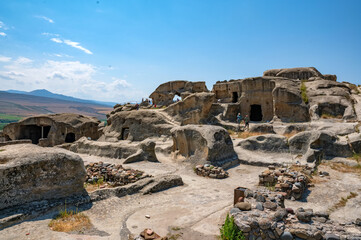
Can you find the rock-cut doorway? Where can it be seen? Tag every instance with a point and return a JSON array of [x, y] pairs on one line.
[[256, 113]]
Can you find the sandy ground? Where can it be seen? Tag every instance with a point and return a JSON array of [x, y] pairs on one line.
[[193, 211]]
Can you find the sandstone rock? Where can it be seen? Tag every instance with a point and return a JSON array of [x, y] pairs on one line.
[[259, 206], [53, 129], [304, 216], [244, 206], [140, 151], [262, 128], [270, 205], [331, 237], [194, 109], [286, 236], [31, 173], [202, 143], [294, 73], [165, 93], [266, 143], [137, 125]]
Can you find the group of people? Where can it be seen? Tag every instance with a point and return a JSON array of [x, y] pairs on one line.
[[245, 119]]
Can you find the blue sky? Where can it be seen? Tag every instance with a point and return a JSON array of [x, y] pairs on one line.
[[122, 50]]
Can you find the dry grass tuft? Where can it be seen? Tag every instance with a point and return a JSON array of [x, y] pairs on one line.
[[69, 221], [243, 134], [329, 116], [342, 202], [344, 168], [291, 134], [248, 134], [318, 179]]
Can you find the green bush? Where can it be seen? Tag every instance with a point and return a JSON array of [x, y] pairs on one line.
[[303, 92], [230, 231]]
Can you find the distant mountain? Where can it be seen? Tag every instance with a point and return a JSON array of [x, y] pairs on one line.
[[48, 94], [17, 103]]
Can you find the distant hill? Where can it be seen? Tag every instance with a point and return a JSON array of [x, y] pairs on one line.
[[20, 104], [48, 94]]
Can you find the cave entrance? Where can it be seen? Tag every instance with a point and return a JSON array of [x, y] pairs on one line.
[[125, 133], [34, 132], [256, 113], [176, 97], [234, 97], [70, 137]]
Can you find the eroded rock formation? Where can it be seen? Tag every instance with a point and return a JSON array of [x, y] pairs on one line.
[[30, 173], [53, 129], [203, 143], [165, 93]]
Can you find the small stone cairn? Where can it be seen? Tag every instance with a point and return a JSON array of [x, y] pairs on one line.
[[290, 181], [114, 175], [262, 215], [211, 171]]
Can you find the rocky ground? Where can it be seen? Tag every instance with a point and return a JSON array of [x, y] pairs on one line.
[[193, 211]]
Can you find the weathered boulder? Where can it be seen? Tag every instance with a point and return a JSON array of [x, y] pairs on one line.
[[203, 143], [319, 144], [53, 129], [30, 173], [165, 93], [267, 143], [137, 125], [262, 128], [288, 103], [131, 151], [194, 109], [329, 99], [294, 73]]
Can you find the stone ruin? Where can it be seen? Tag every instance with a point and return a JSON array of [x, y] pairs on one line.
[[165, 93], [53, 129], [290, 95], [263, 215], [193, 132]]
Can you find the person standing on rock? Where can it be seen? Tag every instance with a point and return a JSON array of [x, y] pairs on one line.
[[239, 119], [246, 123]]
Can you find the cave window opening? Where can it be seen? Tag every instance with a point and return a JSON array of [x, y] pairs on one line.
[[125, 133], [70, 137], [234, 97], [256, 113], [176, 97]]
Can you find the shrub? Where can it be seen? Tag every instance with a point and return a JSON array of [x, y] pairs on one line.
[[303, 92], [230, 231]]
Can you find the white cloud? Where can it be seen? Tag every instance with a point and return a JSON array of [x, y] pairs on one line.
[[5, 59], [66, 77], [50, 34], [46, 19], [57, 40], [71, 43], [77, 45], [3, 26], [2, 34], [23, 60]]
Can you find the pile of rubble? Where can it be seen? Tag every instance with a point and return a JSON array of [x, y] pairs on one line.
[[263, 216], [211, 171], [291, 181], [114, 175]]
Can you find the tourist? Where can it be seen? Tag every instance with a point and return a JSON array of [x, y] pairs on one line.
[[239, 118], [246, 123]]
